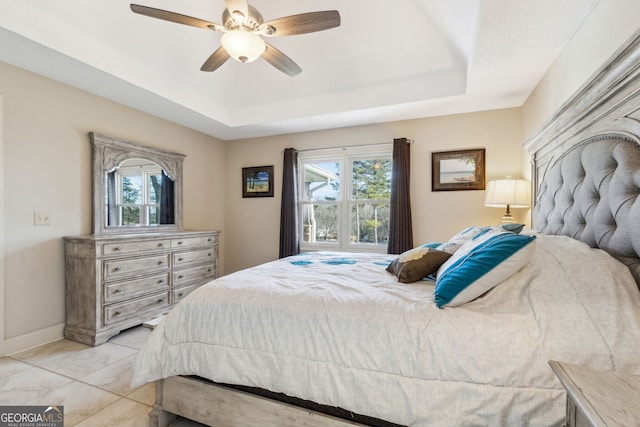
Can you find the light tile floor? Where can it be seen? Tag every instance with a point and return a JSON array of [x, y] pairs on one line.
[[92, 383]]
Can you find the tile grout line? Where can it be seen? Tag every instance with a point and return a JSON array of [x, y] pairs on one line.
[[119, 396], [78, 380], [71, 380], [108, 406]]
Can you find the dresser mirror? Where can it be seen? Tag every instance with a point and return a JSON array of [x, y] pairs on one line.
[[136, 188]]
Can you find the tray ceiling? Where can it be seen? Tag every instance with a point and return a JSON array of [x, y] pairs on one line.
[[387, 61]]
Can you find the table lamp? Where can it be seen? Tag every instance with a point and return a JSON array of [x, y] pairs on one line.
[[509, 193]]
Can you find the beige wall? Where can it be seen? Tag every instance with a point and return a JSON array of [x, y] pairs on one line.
[[2, 298], [253, 224], [47, 167], [609, 26]]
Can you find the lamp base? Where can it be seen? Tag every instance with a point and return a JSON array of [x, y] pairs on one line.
[[507, 218]]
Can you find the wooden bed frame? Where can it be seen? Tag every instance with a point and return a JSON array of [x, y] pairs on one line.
[[216, 405], [606, 106]]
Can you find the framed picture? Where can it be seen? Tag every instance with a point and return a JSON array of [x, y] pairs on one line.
[[457, 170], [257, 181]]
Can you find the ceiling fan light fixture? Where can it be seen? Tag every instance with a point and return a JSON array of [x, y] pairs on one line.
[[243, 28], [242, 45]]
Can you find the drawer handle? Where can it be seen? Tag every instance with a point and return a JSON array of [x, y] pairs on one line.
[[160, 281], [117, 269], [180, 276], [179, 259], [180, 242], [117, 291], [159, 245], [117, 313], [209, 239], [180, 294], [209, 254], [209, 270], [159, 262], [117, 248], [159, 301]]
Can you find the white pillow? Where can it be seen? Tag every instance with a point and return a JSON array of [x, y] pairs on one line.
[[490, 257], [459, 239]]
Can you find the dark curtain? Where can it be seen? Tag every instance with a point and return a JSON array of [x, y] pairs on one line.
[[400, 228], [167, 201], [112, 208], [289, 243]]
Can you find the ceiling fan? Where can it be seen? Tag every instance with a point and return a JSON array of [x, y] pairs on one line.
[[243, 29]]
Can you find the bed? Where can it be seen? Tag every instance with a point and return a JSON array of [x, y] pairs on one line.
[[335, 339]]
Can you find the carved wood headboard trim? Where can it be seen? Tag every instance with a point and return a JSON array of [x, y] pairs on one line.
[[607, 105]]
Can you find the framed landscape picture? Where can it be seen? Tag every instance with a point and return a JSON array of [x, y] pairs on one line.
[[458, 170], [257, 181]]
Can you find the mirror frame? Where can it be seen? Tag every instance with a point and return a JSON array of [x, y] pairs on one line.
[[108, 155]]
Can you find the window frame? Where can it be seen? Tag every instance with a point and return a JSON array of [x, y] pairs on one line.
[[145, 172], [345, 157]]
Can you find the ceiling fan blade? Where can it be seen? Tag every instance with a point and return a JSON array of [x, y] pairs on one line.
[[241, 6], [216, 59], [281, 61], [302, 23], [175, 17]]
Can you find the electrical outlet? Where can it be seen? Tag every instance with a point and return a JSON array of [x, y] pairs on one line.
[[42, 218]]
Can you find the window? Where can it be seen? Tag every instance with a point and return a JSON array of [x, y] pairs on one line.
[[344, 200], [138, 186]]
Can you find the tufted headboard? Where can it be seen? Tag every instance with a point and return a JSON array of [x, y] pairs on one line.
[[586, 162], [591, 194]]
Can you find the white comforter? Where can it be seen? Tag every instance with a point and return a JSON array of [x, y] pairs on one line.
[[337, 329]]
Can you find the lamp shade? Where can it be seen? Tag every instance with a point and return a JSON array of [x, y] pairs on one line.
[[242, 45], [501, 193]]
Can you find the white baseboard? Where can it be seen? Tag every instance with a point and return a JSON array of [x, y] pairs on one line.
[[32, 339]]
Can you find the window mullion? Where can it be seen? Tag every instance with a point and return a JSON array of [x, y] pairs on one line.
[[347, 206], [144, 215]]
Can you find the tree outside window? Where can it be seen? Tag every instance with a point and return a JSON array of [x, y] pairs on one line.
[[344, 200], [371, 192]]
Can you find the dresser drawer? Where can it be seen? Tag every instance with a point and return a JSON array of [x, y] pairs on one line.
[[194, 241], [198, 255], [180, 293], [115, 268], [118, 291], [201, 273], [118, 312], [127, 248]]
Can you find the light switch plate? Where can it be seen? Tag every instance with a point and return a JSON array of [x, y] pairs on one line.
[[42, 218]]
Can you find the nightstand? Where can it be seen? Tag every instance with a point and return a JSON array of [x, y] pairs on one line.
[[597, 397]]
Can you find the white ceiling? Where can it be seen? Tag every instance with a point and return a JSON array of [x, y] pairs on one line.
[[389, 60]]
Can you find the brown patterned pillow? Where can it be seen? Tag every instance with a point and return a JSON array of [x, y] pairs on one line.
[[417, 263]]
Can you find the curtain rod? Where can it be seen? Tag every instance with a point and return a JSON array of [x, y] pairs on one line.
[[344, 147]]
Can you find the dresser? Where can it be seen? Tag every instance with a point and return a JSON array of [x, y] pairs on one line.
[[598, 397], [116, 281]]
